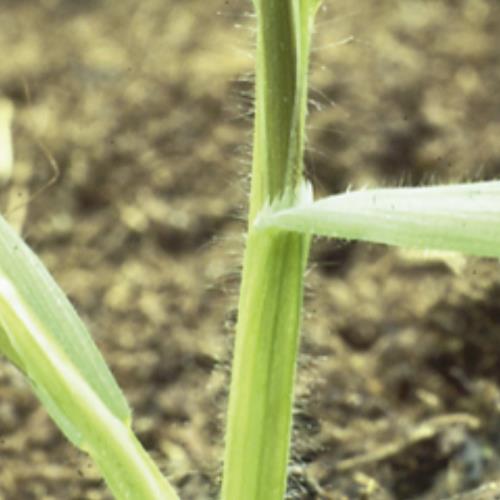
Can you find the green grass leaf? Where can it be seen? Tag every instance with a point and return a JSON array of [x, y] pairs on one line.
[[461, 217], [42, 335], [37, 289]]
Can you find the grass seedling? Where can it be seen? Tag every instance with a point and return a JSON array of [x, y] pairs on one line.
[[282, 217], [42, 335]]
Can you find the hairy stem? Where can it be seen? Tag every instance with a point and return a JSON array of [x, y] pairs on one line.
[[269, 318]]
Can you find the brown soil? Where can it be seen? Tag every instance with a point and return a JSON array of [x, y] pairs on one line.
[[146, 107]]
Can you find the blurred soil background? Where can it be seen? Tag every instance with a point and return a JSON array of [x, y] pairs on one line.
[[146, 108]]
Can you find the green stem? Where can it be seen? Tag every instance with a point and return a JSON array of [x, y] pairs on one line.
[[269, 318], [259, 418]]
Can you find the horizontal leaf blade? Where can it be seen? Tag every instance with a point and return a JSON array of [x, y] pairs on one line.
[[461, 217]]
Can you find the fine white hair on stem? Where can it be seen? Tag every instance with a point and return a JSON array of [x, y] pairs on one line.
[[344, 41]]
